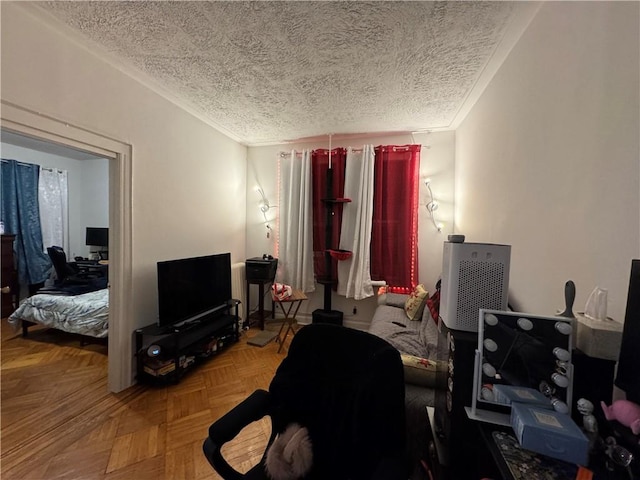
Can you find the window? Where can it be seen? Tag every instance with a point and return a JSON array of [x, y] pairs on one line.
[[394, 243]]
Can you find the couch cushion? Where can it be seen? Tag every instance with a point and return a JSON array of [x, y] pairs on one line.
[[414, 305], [418, 370], [403, 334]]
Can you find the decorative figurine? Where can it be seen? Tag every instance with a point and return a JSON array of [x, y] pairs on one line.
[[589, 422], [625, 412]]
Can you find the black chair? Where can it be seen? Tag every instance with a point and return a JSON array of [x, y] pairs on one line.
[[67, 273], [347, 388]]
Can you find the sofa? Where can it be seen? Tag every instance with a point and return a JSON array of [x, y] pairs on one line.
[[416, 340]]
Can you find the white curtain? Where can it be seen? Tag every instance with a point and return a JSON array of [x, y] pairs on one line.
[[354, 276], [54, 207], [295, 252]]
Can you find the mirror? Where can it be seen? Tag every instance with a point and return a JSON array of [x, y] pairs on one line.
[[521, 357]]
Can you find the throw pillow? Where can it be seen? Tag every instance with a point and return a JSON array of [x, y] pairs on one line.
[[419, 371], [433, 303], [414, 305]]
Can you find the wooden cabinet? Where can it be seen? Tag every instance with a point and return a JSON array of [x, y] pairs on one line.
[[9, 277]]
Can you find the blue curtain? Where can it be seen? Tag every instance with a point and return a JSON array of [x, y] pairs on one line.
[[21, 216]]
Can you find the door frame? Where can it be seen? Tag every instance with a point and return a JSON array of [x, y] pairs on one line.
[[43, 127]]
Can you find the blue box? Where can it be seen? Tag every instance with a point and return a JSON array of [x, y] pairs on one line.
[[507, 394], [550, 433]]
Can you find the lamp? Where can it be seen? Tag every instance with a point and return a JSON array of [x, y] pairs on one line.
[[432, 205]]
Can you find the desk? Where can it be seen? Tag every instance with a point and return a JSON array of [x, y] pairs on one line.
[[516, 463], [293, 304], [99, 268]]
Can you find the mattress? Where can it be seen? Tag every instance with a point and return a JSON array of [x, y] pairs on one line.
[[85, 314]]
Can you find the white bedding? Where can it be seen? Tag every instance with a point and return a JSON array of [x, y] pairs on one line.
[[85, 314]]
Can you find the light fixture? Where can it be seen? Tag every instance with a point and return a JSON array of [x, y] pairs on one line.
[[264, 208], [154, 350], [432, 205]]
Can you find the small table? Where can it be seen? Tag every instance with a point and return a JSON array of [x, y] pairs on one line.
[[294, 300], [261, 284]]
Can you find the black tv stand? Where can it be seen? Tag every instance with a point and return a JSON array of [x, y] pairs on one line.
[[165, 354]]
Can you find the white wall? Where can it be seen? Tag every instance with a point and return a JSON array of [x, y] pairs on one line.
[[88, 184], [94, 212], [188, 180], [548, 159], [437, 161]]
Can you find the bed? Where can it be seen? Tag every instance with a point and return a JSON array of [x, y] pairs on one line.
[[85, 314]]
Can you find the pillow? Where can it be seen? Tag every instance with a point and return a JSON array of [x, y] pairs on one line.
[[419, 371], [433, 304], [414, 305]]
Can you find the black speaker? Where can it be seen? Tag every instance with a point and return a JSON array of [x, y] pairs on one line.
[[457, 434], [260, 269], [628, 375]]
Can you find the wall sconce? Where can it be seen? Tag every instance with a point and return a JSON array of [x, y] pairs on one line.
[[264, 208], [432, 206]]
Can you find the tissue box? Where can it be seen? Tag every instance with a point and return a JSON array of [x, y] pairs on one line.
[[549, 433], [598, 338], [507, 394]]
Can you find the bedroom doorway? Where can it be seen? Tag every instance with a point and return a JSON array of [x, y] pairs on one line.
[[42, 128]]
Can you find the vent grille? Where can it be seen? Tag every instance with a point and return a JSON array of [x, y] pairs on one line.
[[480, 286]]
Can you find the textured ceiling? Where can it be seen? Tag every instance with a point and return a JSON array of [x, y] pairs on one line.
[[270, 72]]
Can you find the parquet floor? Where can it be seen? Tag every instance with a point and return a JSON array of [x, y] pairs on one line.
[[59, 421]]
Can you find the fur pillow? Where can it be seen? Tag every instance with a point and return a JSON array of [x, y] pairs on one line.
[[414, 305], [290, 456]]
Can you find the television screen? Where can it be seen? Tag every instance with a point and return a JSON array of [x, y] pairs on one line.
[[97, 237], [628, 373], [191, 287]]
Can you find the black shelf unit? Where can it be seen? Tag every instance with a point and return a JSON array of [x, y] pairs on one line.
[[165, 354], [326, 314]]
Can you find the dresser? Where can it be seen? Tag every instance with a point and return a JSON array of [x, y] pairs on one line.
[[9, 277]]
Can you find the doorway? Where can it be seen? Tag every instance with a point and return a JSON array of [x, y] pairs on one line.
[[42, 128]]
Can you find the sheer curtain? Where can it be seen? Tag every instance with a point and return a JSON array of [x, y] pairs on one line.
[[354, 277], [295, 251], [54, 207]]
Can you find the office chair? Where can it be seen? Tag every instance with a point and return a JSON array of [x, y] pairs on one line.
[[67, 273], [346, 388]]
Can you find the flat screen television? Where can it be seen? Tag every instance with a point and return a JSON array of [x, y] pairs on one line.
[[628, 372], [97, 237], [190, 288]]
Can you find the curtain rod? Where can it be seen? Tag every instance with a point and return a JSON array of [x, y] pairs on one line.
[[52, 169], [25, 164], [287, 154]]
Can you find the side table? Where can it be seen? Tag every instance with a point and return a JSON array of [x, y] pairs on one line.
[[261, 284], [293, 304]]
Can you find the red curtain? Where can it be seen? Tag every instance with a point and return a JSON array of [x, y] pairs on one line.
[[394, 233], [320, 167]]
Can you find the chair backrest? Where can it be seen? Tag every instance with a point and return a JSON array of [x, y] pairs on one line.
[[59, 260], [347, 387]]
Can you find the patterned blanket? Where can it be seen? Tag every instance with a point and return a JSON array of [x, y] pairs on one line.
[[86, 314]]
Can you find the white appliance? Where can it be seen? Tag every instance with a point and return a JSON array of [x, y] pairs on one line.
[[474, 276]]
